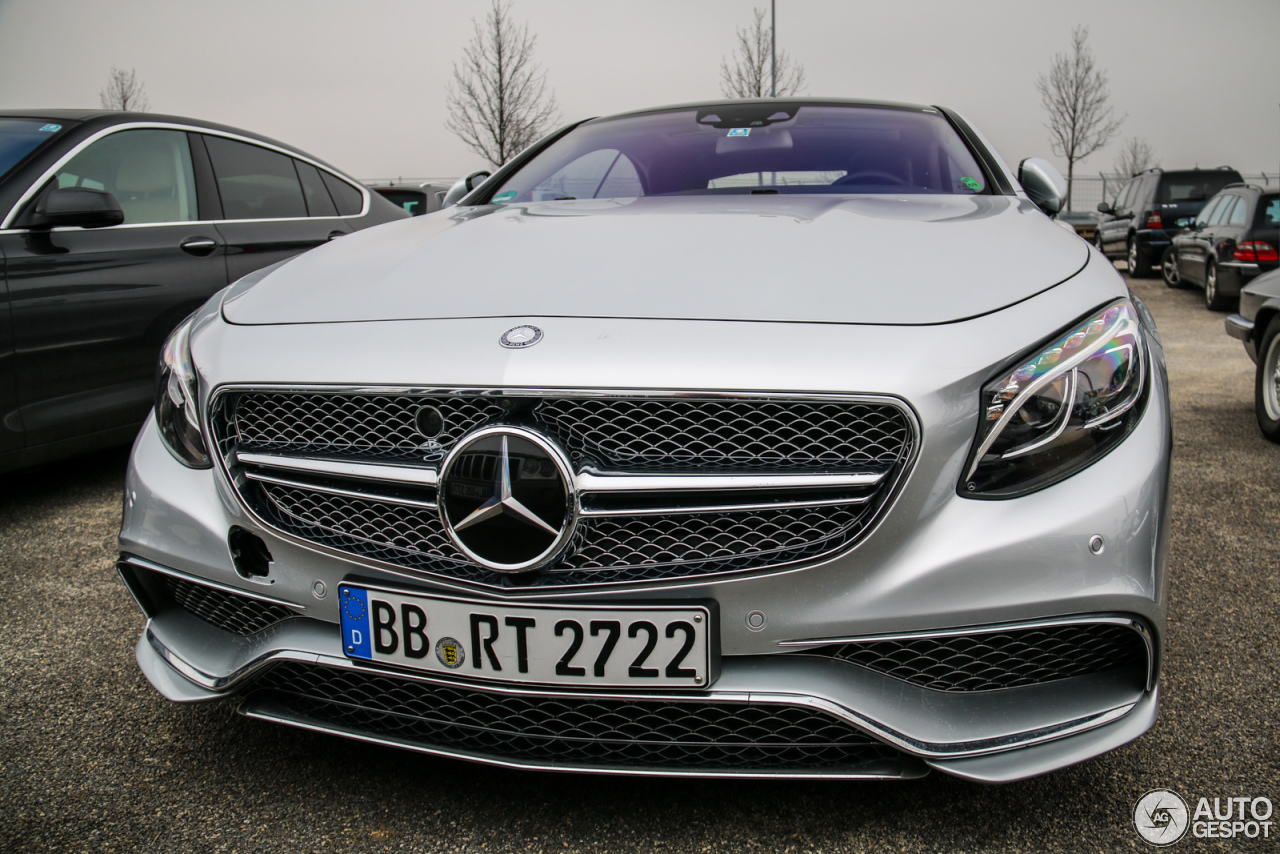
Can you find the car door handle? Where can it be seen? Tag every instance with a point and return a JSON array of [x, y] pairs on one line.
[[198, 245], [336, 234]]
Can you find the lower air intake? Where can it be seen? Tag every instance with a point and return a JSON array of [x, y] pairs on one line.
[[603, 733]]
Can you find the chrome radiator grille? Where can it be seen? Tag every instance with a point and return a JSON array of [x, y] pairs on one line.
[[994, 659], [619, 538], [584, 730]]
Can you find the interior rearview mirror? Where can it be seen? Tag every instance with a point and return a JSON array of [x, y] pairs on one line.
[[1044, 184]]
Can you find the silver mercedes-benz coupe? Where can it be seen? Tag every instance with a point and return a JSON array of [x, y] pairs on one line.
[[760, 438]]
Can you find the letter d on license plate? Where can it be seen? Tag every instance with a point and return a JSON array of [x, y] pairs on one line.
[[633, 646]]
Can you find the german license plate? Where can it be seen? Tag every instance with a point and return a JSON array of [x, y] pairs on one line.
[[632, 646]]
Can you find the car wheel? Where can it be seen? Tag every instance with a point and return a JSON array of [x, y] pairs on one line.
[[1169, 269], [1139, 266], [1213, 298], [1266, 388]]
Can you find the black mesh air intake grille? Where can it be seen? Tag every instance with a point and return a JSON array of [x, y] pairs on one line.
[[582, 730], [986, 661], [241, 615]]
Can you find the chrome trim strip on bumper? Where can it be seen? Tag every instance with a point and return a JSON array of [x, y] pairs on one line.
[[1238, 327], [908, 745], [143, 563], [1128, 622]]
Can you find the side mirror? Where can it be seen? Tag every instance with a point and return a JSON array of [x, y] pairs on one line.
[[462, 187], [1106, 208], [76, 206], [1043, 183]]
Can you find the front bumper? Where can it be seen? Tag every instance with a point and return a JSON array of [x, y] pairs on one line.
[[949, 563]]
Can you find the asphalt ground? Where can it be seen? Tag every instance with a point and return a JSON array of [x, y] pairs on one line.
[[95, 760]]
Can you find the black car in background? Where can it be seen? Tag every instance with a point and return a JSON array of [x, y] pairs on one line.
[[1229, 243], [1151, 208], [113, 228]]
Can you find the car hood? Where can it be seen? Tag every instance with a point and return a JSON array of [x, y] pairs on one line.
[[818, 259]]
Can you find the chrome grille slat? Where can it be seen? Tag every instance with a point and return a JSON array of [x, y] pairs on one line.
[[995, 659], [698, 734], [804, 479]]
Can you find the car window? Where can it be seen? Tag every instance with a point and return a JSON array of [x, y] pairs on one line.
[[740, 148], [20, 137], [412, 200], [1238, 212], [318, 201], [600, 174], [1209, 210], [1194, 186], [1221, 210], [254, 182], [349, 200], [1123, 199], [148, 171], [1268, 215]]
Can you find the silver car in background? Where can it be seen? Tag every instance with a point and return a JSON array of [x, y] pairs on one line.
[[760, 438]]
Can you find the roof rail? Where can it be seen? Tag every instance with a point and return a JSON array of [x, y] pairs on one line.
[[1243, 184]]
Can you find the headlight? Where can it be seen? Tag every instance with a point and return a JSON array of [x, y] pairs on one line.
[[177, 413], [1062, 409]]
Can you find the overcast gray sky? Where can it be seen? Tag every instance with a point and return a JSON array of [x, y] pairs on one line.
[[361, 84]]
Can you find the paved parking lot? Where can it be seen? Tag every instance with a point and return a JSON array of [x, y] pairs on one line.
[[95, 760]]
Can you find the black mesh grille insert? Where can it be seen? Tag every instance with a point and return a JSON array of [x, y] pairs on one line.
[[661, 434], [986, 661], [239, 615], [602, 433], [583, 730], [638, 548]]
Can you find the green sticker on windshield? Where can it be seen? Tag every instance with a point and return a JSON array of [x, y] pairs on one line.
[[972, 183], [503, 198]]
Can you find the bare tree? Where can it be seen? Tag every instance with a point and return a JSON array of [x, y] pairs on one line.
[[498, 101], [124, 92], [1075, 95], [749, 73], [1136, 156]]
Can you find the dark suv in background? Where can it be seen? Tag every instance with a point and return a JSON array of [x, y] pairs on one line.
[[1233, 240], [1151, 208]]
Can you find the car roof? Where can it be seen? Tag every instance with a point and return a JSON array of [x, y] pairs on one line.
[[794, 100], [91, 120]]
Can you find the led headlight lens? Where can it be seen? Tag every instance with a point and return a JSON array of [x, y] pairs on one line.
[[1061, 409], [177, 413]]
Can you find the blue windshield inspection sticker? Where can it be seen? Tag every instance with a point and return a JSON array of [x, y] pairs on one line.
[[502, 198], [740, 132], [51, 128]]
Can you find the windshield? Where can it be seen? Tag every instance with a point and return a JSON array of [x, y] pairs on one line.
[[1194, 186], [751, 148], [20, 137]]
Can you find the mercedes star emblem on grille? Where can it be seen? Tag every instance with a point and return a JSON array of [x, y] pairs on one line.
[[506, 498], [520, 336]]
